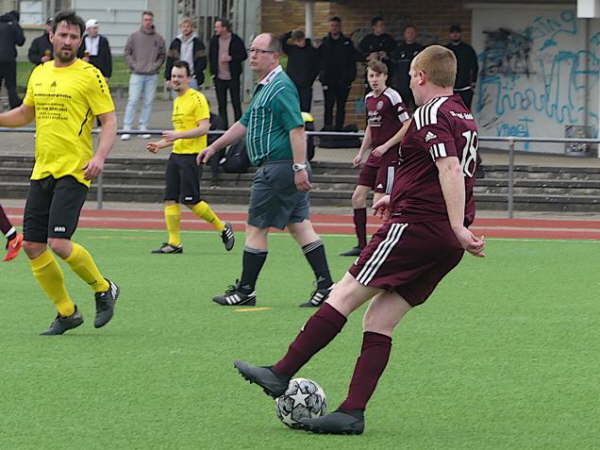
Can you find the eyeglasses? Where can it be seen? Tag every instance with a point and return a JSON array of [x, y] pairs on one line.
[[259, 50]]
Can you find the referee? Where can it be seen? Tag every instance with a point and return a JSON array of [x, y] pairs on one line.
[[276, 143], [63, 96]]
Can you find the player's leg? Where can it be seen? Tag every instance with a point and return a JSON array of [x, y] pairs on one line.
[[172, 210], [359, 212], [133, 99], [14, 239]]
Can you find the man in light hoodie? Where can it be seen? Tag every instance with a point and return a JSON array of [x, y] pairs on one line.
[[187, 47], [145, 54]]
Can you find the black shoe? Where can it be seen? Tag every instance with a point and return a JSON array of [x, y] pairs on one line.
[[62, 324], [168, 248], [318, 297], [338, 422], [105, 304], [354, 251], [227, 236], [235, 295], [273, 383]]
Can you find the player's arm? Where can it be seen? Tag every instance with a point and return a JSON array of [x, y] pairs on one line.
[[394, 140], [453, 188], [235, 133], [298, 143], [108, 136], [200, 130], [364, 146], [17, 117]]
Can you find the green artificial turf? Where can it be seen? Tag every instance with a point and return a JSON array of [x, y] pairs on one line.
[[503, 355]]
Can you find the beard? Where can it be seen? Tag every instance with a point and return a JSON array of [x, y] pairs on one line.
[[60, 55]]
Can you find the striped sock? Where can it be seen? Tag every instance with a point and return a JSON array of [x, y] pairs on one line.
[[315, 255]]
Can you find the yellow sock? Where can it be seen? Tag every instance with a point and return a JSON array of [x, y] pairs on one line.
[[50, 276], [203, 211], [82, 263], [172, 218]]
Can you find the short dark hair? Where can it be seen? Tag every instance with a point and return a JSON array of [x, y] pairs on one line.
[[335, 19], [224, 22], [183, 64], [298, 34], [148, 13], [375, 20], [69, 16]]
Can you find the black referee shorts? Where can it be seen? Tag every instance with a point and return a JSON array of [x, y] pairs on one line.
[[182, 179], [52, 208]]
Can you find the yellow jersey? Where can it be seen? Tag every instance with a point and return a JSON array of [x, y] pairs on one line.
[[188, 110], [66, 100]]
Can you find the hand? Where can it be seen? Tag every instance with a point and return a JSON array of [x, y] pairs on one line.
[[379, 151], [471, 243], [205, 155], [170, 136], [152, 147], [357, 160], [381, 208], [168, 84], [45, 59], [93, 168], [301, 181], [86, 58]]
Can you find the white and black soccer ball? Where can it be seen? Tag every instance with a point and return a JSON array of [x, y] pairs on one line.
[[304, 399]]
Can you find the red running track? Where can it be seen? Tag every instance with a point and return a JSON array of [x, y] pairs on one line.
[[335, 224]]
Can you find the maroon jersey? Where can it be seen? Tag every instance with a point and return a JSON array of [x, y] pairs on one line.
[[385, 115], [440, 128]]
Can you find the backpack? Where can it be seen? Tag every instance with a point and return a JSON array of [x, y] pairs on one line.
[[236, 159]]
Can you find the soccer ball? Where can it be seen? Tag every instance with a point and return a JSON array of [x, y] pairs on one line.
[[304, 399]]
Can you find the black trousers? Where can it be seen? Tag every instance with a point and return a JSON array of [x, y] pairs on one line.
[[222, 86], [467, 97], [305, 94], [335, 94], [8, 73]]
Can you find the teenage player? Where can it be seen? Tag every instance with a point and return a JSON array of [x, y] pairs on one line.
[[387, 122], [63, 96], [425, 236], [14, 240], [191, 116]]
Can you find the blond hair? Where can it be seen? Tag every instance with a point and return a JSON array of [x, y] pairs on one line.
[[187, 19], [378, 67], [438, 63]]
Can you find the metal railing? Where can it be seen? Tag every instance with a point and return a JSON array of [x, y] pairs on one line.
[[511, 141]]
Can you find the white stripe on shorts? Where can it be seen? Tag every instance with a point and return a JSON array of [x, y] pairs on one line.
[[381, 253], [390, 180]]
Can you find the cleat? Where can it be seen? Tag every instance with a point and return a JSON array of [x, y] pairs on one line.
[[274, 384], [318, 297], [167, 248], [105, 304], [13, 246], [62, 324], [227, 236], [125, 137], [338, 422], [354, 251], [235, 295]]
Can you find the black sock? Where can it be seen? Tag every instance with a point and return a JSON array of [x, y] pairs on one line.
[[315, 254], [252, 263]]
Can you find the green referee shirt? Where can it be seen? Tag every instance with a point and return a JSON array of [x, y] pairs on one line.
[[274, 110]]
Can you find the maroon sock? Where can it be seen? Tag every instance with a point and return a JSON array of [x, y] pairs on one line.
[[5, 225], [320, 329], [360, 225], [374, 355]]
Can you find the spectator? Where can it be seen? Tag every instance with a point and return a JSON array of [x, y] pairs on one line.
[[11, 35], [402, 57], [338, 70], [378, 45], [40, 50], [467, 67], [145, 54], [225, 54], [302, 65], [187, 47], [96, 49]]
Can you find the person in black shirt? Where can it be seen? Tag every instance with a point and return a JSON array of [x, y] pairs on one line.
[[40, 49], [95, 49], [402, 57], [467, 66], [302, 65], [378, 45], [338, 58], [11, 35]]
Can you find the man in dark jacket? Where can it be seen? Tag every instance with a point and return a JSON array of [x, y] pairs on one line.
[[467, 67], [95, 49], [338, 58], [302, 65], [11, 35], [187, 47], [402, 56], [378, 45], [40, 50], [225, 56]]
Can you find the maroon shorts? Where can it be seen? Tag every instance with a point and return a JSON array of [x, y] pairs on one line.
[[410, 259], [385, 179], [368, 176]]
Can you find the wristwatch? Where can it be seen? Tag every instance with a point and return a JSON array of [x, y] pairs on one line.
[[298, 167]]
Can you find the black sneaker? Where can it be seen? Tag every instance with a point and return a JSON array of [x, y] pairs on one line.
[[338, 422], [318, 297], [62, 324], [273, 383], [168, 248], [354, 251], [105, 304], [235, 295], [227, 236]]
